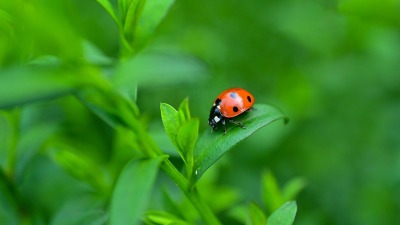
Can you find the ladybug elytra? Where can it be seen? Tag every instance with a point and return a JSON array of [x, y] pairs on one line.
[[229, 104]]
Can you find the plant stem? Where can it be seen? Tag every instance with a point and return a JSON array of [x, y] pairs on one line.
[[192, 194], [152, 149], [172, 172]]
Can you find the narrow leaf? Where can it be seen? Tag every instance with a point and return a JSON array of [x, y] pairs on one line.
[[159, 68], [170, 120], [187, 137], [30, 142], [284, 215], [162, 217], [8, 205], [94, 55], [78, 166], [183, 111], [133, 12], [86, 210], [292, 188], [239, 213], [171, 206], [212, 145], [270, 192], [123, 8], [24, 85], [153, 13], [128, 91], [133, 190], [110, 9], [256, 215], [110, 106], [9, 128]]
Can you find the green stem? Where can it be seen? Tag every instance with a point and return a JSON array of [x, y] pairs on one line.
[[189, 167], [203, 208], [151, 149], [193, 195]]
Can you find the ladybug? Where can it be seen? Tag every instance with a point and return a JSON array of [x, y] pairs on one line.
[[229, 104]]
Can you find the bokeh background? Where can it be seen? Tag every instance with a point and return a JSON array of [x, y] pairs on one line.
[[333, 67]]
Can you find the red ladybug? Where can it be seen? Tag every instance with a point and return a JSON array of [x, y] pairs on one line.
[[229, 104]]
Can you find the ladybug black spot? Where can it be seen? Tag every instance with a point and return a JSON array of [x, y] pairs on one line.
[[233, 94], [235, 109], [248, 98]]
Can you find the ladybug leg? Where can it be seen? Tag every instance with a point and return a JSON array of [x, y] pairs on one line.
[[223, 124], [214, 127], [237, 123]]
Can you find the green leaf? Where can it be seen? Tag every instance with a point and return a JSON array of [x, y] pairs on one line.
[[29, 84], [79, 166], [240, 213], [30, 142], [182, 210], [181, 130], [187, 137], [128, 91], [256, 215], [153, 13], [9, 128], [8, 205], [111, 107], [284, 215], [83, 209], [170, 120], [110, 9], [133, 190], [94, 55], [292, 188], [141, 70], [159, 68], [183, 111], [123, 6], [162, 217], [133, 9], [271, 192], [212, 145]]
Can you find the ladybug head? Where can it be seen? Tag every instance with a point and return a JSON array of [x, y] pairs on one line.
[[213, 121], [215, 116]]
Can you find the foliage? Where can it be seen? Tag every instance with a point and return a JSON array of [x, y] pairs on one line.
[[85, 140], [110, 181]]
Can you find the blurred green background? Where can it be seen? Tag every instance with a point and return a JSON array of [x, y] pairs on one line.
[[331, 66]]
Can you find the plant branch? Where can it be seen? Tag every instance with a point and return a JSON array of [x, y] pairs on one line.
[[193, 195], [180, 180]]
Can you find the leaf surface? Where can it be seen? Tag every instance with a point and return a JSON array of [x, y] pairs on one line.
[[187, 136], [25, 85], [133, 190], [256, 215], [212, 145], [271, 192], [110, 9], [169, 117], [284, 215], [153, 13]]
